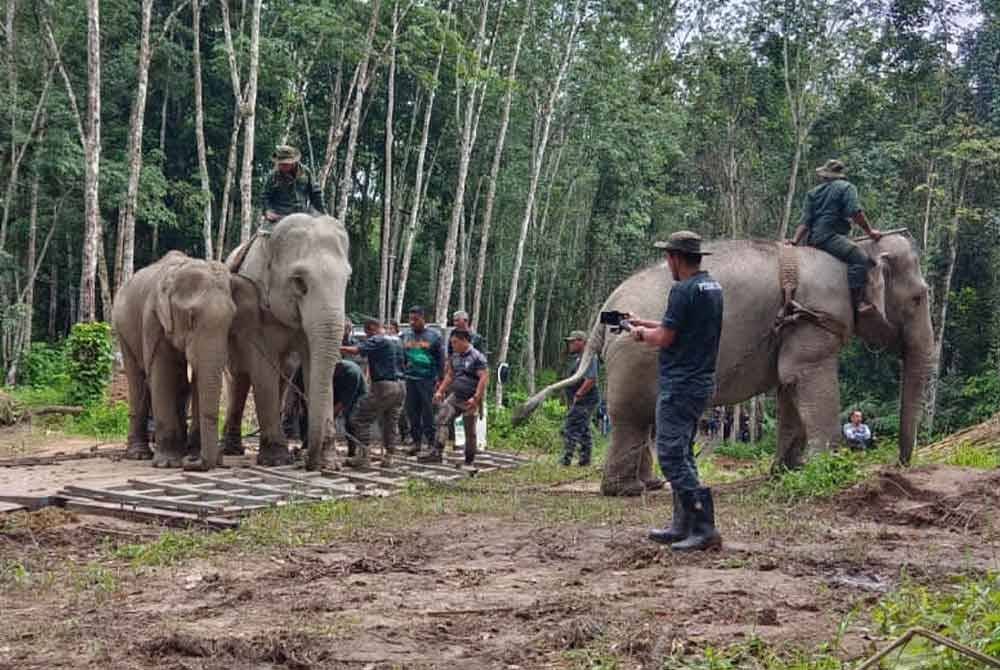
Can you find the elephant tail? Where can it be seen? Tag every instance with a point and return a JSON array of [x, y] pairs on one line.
[[595, 344]]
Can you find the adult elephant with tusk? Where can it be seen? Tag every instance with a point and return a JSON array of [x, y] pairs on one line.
[[797, 354], [301, 270]]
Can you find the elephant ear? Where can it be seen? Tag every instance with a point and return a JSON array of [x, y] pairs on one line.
[[164, 296], [246, 297]]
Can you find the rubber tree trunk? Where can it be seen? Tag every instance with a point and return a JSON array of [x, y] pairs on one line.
[[383, 283], [92, 166], [250, 115], [199, 129]]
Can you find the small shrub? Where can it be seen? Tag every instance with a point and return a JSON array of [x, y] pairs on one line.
[[541, 433], [89, 356], [745, 451]]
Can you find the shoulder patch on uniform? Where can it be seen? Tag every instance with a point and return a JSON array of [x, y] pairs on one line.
[[709, 286]]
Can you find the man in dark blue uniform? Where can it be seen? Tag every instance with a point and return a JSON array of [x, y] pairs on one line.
[[460, 393], [384, 402], [582, 399], [688, 341]]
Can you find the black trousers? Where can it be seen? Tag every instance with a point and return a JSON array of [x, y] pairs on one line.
[[420, 409]]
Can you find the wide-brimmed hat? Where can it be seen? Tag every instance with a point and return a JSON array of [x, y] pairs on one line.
[[832, 169], [683, 241], [576, 335], [286, 155]]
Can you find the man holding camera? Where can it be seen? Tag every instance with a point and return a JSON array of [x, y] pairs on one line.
[[582, 399], [688, 342]]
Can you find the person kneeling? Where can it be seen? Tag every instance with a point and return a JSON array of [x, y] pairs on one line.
[[465, 384]]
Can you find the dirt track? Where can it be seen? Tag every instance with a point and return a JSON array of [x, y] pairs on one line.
[[500, 590]]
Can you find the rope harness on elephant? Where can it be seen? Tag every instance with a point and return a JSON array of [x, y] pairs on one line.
[[793, 312]]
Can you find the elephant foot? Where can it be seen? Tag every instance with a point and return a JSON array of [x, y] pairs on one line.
[[628, 490], [232, 445], [138, 452], [198, 464], [273, 454], [322, 459], [166, 457]]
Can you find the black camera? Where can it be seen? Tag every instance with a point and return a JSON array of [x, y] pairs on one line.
[[618, 321]]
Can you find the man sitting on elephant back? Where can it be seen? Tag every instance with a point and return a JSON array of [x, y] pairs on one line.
[[289, 189], [688, 342], [827, 214]]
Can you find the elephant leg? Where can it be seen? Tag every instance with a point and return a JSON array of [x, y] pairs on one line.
[[232, 432], [267, 398], [167, 388], [138, 404], [623, 463], [807, 373], [791, 434]]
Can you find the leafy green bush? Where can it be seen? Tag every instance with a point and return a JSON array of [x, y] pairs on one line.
[[968, 612], [89, 356], [43, 366], [762, 449], [540, 433]]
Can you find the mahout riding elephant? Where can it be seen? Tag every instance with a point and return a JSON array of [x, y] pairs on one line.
[[175, 314], [799, 358], [301, 270]]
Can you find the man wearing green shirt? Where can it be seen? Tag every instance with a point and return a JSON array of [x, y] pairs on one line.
[[827, 214], [289, 188]]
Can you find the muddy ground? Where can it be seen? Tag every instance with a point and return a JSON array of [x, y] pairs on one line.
[[507, 575]]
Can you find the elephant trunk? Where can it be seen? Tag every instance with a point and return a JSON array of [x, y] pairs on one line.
[[324, 336], [208, 374], [917, 355]]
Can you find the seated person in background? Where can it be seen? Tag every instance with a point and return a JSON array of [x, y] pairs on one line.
[[857, 434]]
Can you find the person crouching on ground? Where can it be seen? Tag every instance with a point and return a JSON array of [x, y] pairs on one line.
[[857, 433], [465, 386], [688, 342]]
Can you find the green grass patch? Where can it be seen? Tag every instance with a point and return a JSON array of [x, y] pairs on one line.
[[970, 456], [105, 422], [967, 611], [762, 449], [826, 474]]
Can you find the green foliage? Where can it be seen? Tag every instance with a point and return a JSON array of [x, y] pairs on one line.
[[539, 434], [968, 611], [105, 422], [823, 475], [43, 366], [89, 357], [763, 448], [970, 456]]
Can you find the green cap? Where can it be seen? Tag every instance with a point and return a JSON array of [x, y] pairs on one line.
[[683, 241], [576, 335], [285, 154]]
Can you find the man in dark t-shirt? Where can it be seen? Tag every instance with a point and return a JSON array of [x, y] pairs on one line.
[[582, 399], [688, 342], [384, 401], [348, 389], [424, 369], [465, 386]]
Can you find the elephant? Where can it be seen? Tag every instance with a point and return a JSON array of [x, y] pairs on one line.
[[755, 356], [301, 270], [175, 314]]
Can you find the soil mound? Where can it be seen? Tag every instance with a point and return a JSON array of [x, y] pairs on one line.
[[955, 498]]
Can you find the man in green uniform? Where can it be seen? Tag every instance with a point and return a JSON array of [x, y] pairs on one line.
[[289, 188], [582, 399], [826, 220]]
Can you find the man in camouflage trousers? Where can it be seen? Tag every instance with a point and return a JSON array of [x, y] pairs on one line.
[[384, 402], [289, 188], [582, 399]]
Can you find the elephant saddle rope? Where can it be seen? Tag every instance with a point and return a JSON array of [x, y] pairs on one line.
[[793, 312]]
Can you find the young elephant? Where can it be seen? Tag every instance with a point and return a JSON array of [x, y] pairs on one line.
[[174, 315]]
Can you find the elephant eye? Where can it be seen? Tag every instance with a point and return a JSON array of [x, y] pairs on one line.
[[299, 284]]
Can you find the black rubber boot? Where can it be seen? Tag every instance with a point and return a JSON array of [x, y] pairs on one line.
[[700, 510], [679, 529], [414, 450]]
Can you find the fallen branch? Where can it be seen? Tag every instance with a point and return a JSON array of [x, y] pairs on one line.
[[987, 661], [72, 410]]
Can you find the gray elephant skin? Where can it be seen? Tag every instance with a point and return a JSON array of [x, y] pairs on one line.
[[171, 315], [301, 271], [800, 360]]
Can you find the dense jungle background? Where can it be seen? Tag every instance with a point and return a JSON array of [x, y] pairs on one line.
[[512, 158]]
